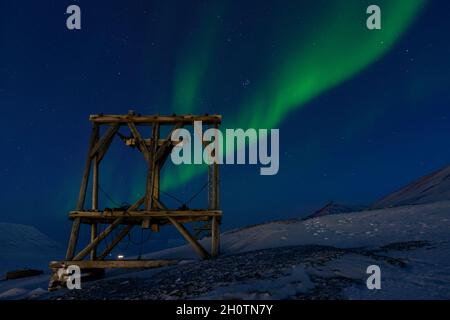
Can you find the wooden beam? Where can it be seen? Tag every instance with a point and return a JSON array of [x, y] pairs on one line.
[[102, 151], [107, 138], [106, 264], [73, 239], [140, 141], [146, 119], [215, 236], [95, 178], [156, 194], [94, 243], [87, 169], [93, 236], [144, 213], [210, 197], [216, 181], [165, 149], [185, 233], [189, 238], [115, 241], [138, 221], [150, 187], [131, 142], [215, 223]]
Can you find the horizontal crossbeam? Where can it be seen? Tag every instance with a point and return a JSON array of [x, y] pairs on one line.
[[106, 264], [144, 214], [167, 120]]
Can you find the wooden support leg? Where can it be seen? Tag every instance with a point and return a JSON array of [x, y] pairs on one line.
[[73, 239], [151, 173], [215, 183], [189, 238], [210, 198], [87, 168], [82, 196], [156, 184], [215, 223], [185, 233], [93, 236], [215, 237], [95, 178]]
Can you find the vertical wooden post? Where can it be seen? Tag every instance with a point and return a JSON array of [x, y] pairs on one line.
[[215, 181], [156, 168], [95, 178], [73, 239], [215, 237], [155, 154], [215, 223], [93, 236], [151, 168], [82, 196], [210, 206]]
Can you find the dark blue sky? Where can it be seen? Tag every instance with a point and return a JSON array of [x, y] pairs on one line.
[[353, 143]]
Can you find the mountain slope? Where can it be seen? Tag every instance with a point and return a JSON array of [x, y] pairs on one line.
[[430, 188], [334, 208], [371, 228], [24, 246], [321, 258]]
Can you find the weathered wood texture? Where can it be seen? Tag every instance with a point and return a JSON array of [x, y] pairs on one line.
[[144, 213], [189, 119], [154, 213], [105, 264]]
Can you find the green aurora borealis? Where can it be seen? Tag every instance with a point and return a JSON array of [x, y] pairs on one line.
[[332, 47], [360, 113]]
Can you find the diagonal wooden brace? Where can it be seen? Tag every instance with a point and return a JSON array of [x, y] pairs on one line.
[[140, 141], [105, 233], [105, 140], [165, 149], [185, 233], [116, 241]]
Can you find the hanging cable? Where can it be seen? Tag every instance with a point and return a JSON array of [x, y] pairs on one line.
[[196, 194]]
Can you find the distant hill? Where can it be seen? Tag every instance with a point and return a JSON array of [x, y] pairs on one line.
[[24, 246], [428, 189], [335, 208]]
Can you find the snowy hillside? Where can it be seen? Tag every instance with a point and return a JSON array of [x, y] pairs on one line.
[[335, 208], [372, 228], [23, 246], [325, 257], [321, 258], [431, 188]]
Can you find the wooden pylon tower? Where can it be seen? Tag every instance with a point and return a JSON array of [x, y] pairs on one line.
[[149, 212]]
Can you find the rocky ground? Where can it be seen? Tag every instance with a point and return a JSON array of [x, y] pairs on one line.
[[297, 272]]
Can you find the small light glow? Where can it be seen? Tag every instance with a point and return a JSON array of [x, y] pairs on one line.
[[120, 256]]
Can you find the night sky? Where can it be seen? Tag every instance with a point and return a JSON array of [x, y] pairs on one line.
[[361, 113]]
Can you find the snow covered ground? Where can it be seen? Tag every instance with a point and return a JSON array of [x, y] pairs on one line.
[[320, 258], [370, 229]]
